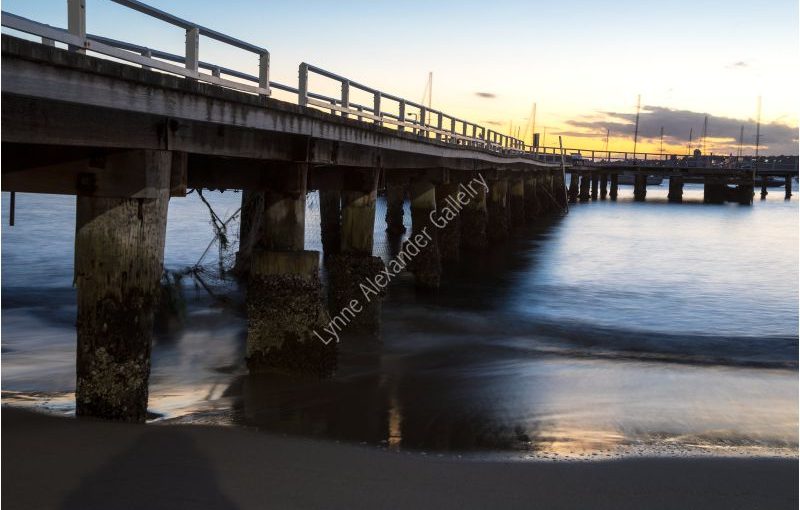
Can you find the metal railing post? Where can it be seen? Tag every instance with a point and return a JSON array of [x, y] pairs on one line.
[[376, 108], [76, 22], [401, 114], [192, 48], [345, 96], [149, 54], [439, 125], [423, 114], [302, 85], [263, 72]]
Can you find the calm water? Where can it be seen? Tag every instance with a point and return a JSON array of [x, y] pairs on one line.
[[619, 328]]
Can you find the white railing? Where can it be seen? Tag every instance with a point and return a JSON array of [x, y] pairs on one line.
[[422, 121], [78, 40]]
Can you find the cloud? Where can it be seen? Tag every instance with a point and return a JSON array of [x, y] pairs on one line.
[[493, 122], [722, 135], [740, 64], [486, 95]]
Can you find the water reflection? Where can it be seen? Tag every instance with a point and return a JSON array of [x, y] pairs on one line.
[[619, 328]]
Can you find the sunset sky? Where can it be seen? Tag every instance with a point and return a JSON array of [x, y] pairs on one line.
[[582, 62]]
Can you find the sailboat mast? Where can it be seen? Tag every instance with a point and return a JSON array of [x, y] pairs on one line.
[[705, 129], [758, 126], [741, 141], [636, 130]]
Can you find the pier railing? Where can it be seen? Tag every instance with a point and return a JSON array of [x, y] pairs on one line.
[[384, 109], [592, 157], [78, 40], [416, 118]]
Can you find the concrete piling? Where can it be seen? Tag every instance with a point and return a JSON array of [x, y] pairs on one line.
[[714, 190], [119, 253], [531, 197], [355, 262], [516, 192], [603, 186], [330, 212], [744, 191], [574, 178], [284, 294], [788, 186], [449, 240], [426, 265], [497, 209], [395, 196], [675, 194], [640, 187], [614, 189], [583, 196], [249, 225], [595, 182], [474, 220]]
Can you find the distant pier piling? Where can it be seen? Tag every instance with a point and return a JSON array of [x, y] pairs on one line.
[[675, 194], [603, 186], [614, 187], [714, 189], [584, 193], [788, 186]]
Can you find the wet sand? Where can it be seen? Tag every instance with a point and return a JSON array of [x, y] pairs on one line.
[[53, 462]]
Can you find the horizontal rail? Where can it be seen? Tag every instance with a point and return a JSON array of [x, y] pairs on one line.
[[419, 119], [78, 40]]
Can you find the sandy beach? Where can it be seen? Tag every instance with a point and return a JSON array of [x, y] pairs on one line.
[[53, 462]]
